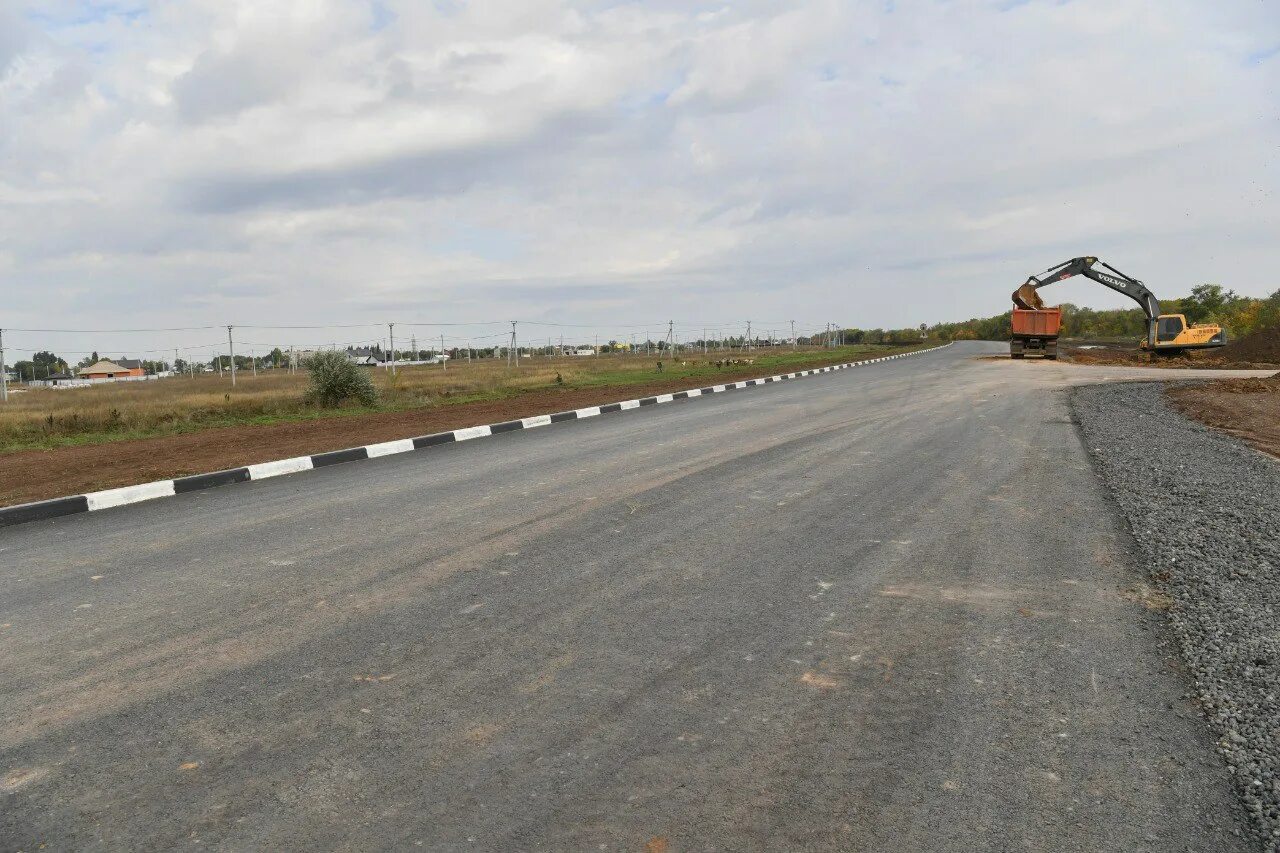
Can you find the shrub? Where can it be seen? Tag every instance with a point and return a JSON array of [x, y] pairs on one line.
[[334, 380]]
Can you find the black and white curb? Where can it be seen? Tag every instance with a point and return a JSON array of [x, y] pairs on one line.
[[108, 498]]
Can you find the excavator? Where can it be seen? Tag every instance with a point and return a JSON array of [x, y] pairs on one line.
[[1166, 333]]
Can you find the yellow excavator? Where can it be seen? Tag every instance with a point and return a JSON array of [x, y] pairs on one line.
[[1166, 333]]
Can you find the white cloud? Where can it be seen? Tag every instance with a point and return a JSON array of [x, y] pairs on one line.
[[341, 161]]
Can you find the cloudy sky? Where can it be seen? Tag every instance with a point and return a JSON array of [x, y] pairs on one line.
[[618, 163]]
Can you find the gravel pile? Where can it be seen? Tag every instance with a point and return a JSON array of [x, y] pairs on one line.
[[1205, 510]]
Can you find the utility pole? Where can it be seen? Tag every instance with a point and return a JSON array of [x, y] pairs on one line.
[[231, 345], [513, 355], [748, 334], [793, 333], [175, 360], [413, 342], [444, 356], [253, 362], [597, 344], [391, 333], [704, 341], [670, 337], [4, 377]]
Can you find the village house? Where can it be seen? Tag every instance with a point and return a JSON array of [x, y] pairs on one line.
[[118, 369]]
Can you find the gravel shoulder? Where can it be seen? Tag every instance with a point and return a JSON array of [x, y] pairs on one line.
[[1205, 511]]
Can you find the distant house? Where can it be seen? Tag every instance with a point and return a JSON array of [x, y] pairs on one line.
[[363, 356], [122, 369], [58, 380]]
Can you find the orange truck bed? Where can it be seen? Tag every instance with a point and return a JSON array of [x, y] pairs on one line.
[[1044, 323]]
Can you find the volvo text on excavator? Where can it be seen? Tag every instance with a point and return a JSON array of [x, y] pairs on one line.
[[1035, 328]]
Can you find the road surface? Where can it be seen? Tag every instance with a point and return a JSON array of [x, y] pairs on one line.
[[881, 609]]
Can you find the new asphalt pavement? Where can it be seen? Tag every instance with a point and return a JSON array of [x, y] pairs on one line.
[[888, 608]]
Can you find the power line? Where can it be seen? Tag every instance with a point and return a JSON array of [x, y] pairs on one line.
[[114, 331], [334, 326]]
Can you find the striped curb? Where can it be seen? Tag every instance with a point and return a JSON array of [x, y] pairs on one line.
[[108, 498]]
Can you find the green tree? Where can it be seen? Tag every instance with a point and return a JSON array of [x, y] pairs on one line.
[[48, 362], [1207, 301]]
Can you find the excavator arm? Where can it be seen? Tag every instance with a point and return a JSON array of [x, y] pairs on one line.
[[1026, 296]]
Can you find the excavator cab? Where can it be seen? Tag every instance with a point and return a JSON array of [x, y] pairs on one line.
[[1168, 327], [1174, 334]]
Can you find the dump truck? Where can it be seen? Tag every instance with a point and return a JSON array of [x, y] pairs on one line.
[[1166, 333], [1035, 332]]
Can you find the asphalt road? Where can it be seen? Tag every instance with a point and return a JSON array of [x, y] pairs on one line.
[[882, 609]]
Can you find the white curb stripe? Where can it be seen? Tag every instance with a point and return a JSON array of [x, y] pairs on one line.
[[536, 421], [589, 412], [664, 398], [280, 466], [387, 448], [129, 494], [628, 404], [471, 432]]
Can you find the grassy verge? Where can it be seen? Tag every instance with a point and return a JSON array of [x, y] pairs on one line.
[[47, 419]]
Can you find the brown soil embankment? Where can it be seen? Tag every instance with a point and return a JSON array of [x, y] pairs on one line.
[[1246, 408]]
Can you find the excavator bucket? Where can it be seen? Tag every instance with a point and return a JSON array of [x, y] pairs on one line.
[[1025, 297]]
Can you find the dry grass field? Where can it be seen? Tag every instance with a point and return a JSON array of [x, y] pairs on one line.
[[48, 418]]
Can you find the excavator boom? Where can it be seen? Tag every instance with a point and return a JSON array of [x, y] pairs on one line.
[[1027, 298]]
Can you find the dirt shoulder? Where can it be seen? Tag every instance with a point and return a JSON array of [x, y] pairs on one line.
[[33, 475], [1132, 356], [1246, 408], [1258, 350]]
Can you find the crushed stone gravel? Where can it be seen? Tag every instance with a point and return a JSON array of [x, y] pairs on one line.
[[1205, 510]]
